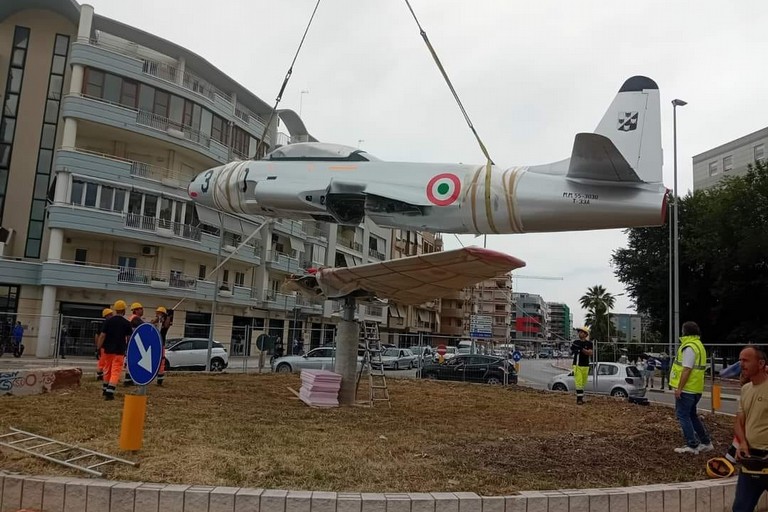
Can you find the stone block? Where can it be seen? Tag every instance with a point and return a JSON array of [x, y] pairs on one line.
[[248, 500], [398, 502], [445, 501], [32, 493], [76, 498], [716, 503], [349, 502], [123, 496], [636, 501], [273, 500], [702, 499], [598, 501], [421, 502], [53, 495], [323, 501], [469, 502], [147, 497], [171, 498], [298, 501], [729, 493], [515, 503], [536, 501], [558, 503], [13, 486], [222, 499], [578, 503], [672, 500], [197, 498], [618, 502], [373, 502], [98, 495]]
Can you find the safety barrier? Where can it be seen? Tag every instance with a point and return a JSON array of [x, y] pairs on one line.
[[52, 493]]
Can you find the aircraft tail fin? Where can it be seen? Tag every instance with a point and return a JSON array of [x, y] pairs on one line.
[[633, 126]]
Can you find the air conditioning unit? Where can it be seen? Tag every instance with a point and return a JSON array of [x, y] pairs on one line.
[[149, 250]]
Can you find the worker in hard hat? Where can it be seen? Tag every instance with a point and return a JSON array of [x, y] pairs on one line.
[[162, 321], [105, 314], [113, 339], [137, 311], [582, 351]]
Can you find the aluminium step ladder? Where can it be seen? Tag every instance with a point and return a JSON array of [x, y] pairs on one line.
[[67, 455], [377, 381]]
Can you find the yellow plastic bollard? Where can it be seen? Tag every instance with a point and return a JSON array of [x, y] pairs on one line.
[[132, 426], [715, 396], [517, 367]]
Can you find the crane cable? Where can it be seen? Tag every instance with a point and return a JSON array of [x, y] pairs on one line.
[[489, 161], [285, 83]]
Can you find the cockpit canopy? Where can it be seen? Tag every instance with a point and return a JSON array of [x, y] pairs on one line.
[[321, 151]]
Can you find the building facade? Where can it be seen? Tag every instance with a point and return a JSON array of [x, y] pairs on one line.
[[103, 126], [531, 316], [629, 327], [492, 297], [729, 159], [561, 321]]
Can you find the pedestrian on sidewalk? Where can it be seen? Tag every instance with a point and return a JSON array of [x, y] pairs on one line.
[[582, 351], [687, 378], [664, 367], [650, 372], [751, 429]]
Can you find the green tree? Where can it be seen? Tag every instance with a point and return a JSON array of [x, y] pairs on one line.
[[597, 301], [723, 240]]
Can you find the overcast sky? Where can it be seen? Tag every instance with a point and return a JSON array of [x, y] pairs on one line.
[[530, 74]]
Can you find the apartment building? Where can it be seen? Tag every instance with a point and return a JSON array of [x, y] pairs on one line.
[[629, 327], [492, 297], [729, 159], [102, 127], [561, 321], [531, 316], [406, 323]]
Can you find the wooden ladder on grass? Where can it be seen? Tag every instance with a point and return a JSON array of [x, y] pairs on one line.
[[378, 391]]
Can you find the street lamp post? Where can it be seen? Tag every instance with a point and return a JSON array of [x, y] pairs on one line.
[[675, 236]]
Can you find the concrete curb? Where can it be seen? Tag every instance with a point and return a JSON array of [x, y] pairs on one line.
[[51, 494]]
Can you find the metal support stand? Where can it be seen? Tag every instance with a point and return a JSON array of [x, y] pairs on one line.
[[346, 352]]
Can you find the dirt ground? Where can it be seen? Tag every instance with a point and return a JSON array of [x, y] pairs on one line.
[[249, 430]]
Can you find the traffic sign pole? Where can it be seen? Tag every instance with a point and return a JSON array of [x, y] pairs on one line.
[[145, 350]]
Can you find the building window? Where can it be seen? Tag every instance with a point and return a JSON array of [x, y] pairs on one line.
[[759, 152], [219, 129], [11, 105], [94, 83], [713, 169], [81, 256], [728, 163], [239, 278], [201, 272], [225, 281]]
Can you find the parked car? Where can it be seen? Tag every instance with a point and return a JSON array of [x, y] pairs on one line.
[[321, 358], [450, 352], [425, 352], [191, 353], [615, 379], [399, 359], [471, 368]]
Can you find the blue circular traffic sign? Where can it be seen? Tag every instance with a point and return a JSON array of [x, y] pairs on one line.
[[145, 350], [517, 356]]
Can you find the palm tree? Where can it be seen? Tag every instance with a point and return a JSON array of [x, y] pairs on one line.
[[597, 301]]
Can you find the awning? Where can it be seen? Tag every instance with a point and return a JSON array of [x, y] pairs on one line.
[[423, 315], [297, 244], [231, 223], [393, 311], [402, 310]]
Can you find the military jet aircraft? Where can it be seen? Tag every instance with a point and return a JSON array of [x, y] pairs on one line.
[[611, 180]]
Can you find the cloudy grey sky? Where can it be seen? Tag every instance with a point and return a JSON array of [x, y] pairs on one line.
[[530, 74]]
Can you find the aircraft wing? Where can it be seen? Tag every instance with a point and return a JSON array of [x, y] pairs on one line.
[[416, 279]]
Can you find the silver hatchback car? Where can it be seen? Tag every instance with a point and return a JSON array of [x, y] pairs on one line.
[[615, 379]]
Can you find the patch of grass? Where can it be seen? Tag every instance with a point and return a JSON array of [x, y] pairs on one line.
[[249, 430]]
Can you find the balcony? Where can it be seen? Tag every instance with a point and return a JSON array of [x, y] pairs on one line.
[[279, 301], [156, 279], [452, 313], [162, 227], [376, 254], [350, 244], [105, 166], [290, 227], [74, 275], [282, 262], [103, 112], [309, 306], [20, 272], [451, 330], [316, 232]]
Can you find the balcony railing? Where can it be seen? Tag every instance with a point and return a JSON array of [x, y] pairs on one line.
[[245, 115], [156, 279], [350, 244], [164, 71], [376, 254], [169, 126], [140, 169], [151, 224]]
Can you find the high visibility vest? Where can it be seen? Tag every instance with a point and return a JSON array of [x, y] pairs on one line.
[[695, 383]]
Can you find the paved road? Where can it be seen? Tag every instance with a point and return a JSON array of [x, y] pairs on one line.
[[536, 373]]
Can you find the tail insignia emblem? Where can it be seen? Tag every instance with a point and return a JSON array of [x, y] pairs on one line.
[[628, 121]]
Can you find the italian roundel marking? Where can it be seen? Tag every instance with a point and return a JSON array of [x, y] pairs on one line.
[[443, 189]]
